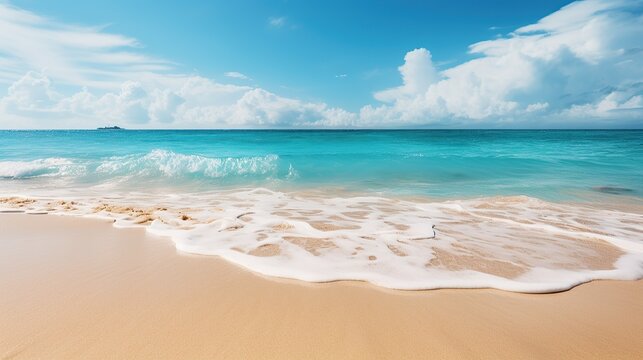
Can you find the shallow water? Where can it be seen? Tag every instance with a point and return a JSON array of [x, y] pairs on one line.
[[551, 165], [531, 211]]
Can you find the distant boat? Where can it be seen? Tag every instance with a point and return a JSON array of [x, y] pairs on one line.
[[110, 128]]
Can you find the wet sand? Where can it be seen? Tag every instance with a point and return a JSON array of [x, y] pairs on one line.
[[80, 288]]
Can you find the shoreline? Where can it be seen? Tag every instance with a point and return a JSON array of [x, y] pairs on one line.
[[81, 288], [513, 243]]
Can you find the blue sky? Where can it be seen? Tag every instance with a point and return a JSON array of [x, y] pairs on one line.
[[315, 42], [321, 63]]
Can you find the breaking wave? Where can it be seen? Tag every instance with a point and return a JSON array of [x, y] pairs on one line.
[[51, 167], [170, 164], [156, 163]]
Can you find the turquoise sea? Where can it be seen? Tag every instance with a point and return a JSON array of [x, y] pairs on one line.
[[529, 211], [547, 164]]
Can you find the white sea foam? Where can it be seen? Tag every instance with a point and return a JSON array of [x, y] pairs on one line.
[[171, 164], [157, 163], [511, 243], [51, 167]]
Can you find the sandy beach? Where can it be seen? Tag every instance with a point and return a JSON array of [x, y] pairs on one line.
[[254, 179], [80, 288]]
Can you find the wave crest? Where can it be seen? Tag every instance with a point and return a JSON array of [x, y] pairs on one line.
[[54, 167], [170, 164], [156, 163]]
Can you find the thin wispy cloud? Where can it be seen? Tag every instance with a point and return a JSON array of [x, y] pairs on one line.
[[277, 22], [117, 82], [236, 75], [70, 54]]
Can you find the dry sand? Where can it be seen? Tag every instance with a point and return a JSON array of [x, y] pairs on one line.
[[79, 288]]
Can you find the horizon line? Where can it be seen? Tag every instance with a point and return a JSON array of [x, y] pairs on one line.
[[329, 129]]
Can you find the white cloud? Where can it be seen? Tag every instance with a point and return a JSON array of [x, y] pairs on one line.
[[76, 55], [615, 103], [237, 75], [31, 92], [570, 63], [260, 108], [164, 106], [193, 102], [118, 85], [418, 74], [277, 22], [580, 63]]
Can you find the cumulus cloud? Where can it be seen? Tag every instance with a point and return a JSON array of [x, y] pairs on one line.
[[164, 106], [614, 104], [194, 102], [580, 64], [32, 92], [118, 85], [584, 60], [418, 73]]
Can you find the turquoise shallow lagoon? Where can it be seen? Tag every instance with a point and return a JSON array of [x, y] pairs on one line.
[[548, 164]]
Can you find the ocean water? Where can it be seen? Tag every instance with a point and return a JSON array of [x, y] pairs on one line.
[[517, 210], [443, 164]]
